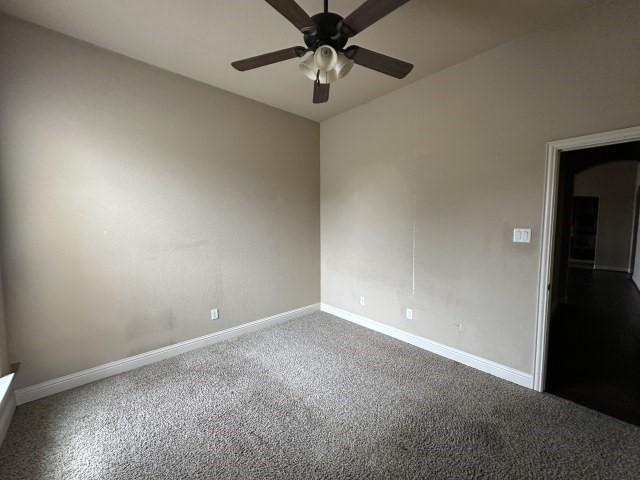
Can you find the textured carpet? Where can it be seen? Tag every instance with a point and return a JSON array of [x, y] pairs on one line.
[[316, 397]]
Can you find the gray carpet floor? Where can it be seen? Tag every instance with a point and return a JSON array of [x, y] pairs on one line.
[[316, 397]]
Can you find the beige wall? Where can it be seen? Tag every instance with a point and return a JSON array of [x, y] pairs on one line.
[[134, 200], [458, 158], [614, 184]]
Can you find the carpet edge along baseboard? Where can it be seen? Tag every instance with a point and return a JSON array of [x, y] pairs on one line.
[[83, 377], [488, 366]]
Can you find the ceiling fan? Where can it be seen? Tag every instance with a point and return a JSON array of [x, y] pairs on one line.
[[325, 35]]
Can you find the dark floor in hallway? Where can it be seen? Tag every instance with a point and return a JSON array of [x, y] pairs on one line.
[[594, 344]]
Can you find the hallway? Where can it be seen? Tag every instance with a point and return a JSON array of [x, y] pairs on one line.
[[594, 344]]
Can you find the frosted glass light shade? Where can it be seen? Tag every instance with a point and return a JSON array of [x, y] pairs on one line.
[[309, 68], [325, 58]]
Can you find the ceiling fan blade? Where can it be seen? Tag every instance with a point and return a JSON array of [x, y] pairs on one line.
[[293, 12], [268, 58], [378, 62], [369, 13], [320, 92]]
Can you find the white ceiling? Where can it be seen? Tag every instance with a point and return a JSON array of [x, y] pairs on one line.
[[199, 39]]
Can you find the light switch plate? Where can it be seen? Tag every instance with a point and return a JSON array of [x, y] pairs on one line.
[[521, 235]]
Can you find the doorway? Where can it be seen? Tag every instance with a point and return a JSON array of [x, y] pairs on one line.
[[588, 339]]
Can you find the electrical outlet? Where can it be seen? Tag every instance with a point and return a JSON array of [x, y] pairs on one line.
[[459, 325], [214, 314], [361, 300], [409, 314]]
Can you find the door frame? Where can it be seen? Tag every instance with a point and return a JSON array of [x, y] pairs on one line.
[[634, 233], [547, 234]]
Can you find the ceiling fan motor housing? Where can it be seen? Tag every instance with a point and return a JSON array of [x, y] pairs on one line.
[[328, 31]]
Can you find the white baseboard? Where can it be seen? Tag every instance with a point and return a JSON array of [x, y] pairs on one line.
[[57, 385], [488, 366], [7, 404], [67, 382]]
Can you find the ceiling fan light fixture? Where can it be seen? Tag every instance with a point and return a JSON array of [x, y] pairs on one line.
[[325, 58], [310, 69], [343, 66]]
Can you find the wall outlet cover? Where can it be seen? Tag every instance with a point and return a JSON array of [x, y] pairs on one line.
[[214, 314], [409, 313]]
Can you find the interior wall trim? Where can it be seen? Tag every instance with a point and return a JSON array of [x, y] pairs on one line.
[[73, 380], [554, 149], [488, 366], [7, 404]]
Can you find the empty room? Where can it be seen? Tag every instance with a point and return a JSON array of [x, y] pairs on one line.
[[316, 239]]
